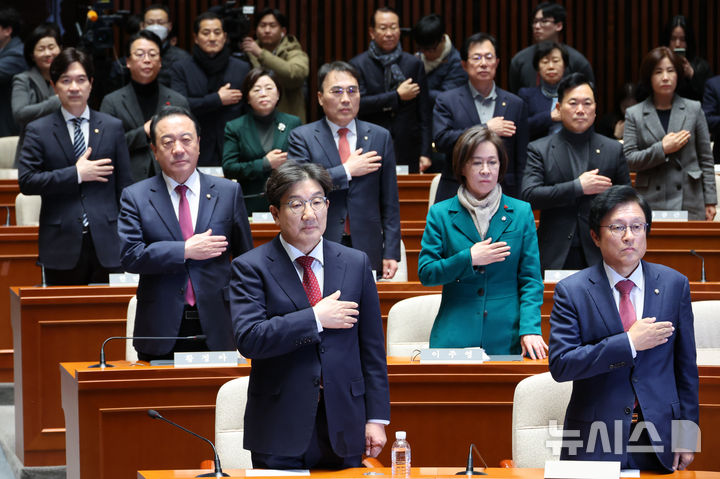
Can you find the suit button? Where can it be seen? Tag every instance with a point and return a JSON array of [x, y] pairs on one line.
[[485, 313], [322, 349], [570, 236], [628, 410], [678, 187], [657, 188], [316, 382], [635, 380], [481, 291]]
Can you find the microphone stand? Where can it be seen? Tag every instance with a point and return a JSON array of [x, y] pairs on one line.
[[104, 364], [469, 470], [702, 268]]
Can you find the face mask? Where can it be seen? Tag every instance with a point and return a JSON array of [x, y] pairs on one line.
[[159, 30]]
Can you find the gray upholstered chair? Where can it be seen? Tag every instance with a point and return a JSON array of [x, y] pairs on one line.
[[409, 324], [707, 331], [230, 424], [433, 190], [8, 145], [130, 353], [27, 210]]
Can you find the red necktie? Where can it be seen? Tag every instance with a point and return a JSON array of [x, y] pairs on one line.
[[627, 311], [343, 144], [187, 231], [310, 283]]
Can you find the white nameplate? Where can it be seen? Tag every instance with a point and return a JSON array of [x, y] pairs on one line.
[[453, 356], [262, 217], [124, 279], [212, 170], [248, 10], [557, 275], [208, 359], [276, 472], [582, 469], [402, 170], [670, 215]]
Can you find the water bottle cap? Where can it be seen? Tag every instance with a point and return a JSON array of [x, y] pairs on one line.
[[400, 435]]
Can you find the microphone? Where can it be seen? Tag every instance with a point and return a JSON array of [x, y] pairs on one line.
[[218, 470], [469, 470], [104, 364], [702, 269]]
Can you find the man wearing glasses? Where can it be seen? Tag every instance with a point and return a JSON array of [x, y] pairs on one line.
[[136, 103], [306, 311], [622, 331], [364, 207], [179, 230], [547, 23]]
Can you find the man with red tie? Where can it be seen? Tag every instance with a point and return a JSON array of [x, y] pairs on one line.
[[179, 231], [364, 207], [622, 331], [306, 311]]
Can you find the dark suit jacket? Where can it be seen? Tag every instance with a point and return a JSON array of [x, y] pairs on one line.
[[47, 168], [153, 245], [455, 112], [370, 201], [523, 73], [190, 80], [551, 186], [589, 347], [12, 62], [409, 122], [711, 107], [123, 104], [244, 157], [538, 105], [275, 327]]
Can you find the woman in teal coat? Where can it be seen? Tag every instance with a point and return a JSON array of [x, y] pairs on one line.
[[481, 245], [257, 142]]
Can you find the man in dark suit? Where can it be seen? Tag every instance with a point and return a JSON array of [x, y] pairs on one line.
[[211, 82], [711, 107], [156, 18], [306, 311], [77, 160], [179, 230], [394, 92], [136, 103], [563, 174], [622, 331], [364, 206], [481, 102]]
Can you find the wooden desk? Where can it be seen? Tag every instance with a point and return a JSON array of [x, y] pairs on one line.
[[9, 189]]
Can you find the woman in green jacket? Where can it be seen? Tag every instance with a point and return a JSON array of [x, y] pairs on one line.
[[481, 245], [257, 142]]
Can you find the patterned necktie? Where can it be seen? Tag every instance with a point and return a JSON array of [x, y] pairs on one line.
[[310, 283], [343, 144], [78, 150], [627, 311], [187, 231]]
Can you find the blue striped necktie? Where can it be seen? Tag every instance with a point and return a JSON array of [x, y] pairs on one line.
[[78, 150]]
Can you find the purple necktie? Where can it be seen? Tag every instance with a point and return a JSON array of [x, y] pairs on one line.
[[187, 231]]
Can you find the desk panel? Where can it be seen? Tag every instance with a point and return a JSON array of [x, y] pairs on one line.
[[9, 189]]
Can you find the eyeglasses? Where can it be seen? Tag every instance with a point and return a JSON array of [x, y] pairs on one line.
[[619, 230], [140, 54], [338, 90], [544, 21], [489, 57], [317, 203]]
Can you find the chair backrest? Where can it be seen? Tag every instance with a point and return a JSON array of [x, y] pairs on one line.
[[27, 210], [409, 324], [717, 188], [230, 424], [433, 190], [402, 272], [538, 408], [707, 323], [8, 145], [130, 353]]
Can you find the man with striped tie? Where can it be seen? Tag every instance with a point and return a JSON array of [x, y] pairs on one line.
[[78, 161]]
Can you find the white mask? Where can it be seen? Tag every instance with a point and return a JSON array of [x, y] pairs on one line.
[[159, 30]]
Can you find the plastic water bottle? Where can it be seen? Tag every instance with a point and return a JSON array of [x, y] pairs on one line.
[[400, 456]]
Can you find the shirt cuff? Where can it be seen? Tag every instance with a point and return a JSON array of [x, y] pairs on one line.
[[317, 321], [78, 175], [347, 173], [384, 422], [632, 346]]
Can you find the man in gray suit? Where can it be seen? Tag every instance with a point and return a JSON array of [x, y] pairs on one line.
[[136, 103], [565, 171]]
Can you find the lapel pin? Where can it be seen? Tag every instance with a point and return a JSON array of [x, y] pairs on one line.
[[97, 131], [208, 196], [503, 103], [281, 126], [597, 151], [505, 206], [365, 138], [657, 291], [503, 218]]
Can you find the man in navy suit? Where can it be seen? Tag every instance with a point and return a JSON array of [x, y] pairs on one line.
[[394, 91], [179, 230], [364, 206], [481, 102], [306, 311], [622, 331], [77, 160]]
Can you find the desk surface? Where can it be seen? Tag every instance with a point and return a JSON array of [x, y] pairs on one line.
[[419, 472]]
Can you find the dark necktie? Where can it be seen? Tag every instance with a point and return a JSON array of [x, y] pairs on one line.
[[310, 283], [187, 231], [627, 311], [78, 150]]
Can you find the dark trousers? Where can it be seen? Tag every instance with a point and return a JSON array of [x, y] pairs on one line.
[[319, 454], [645, 461], [189, 326], [88, 269]]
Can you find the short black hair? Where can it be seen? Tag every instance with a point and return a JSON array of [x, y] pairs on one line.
[[9, 17], [279, 16], [477, 38], [429, 30], [41, 31], [544, 49], [253, 76], [157, 6], [67, 57], [167, 111], [574, 80], [207, 16], [147, 35], [613, 197], [291, 172], [382, 10], [552, 10], [336, 66]]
